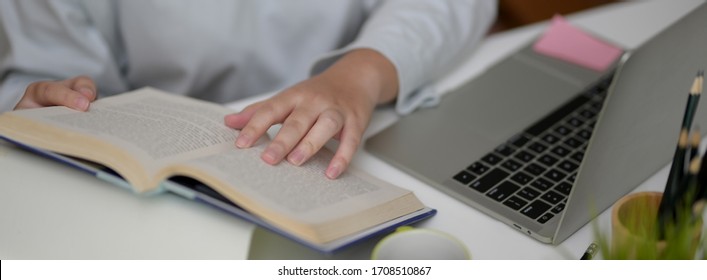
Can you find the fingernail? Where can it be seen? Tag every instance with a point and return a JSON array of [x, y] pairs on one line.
[[86, 91], [243, 141], [296, 157], [228, 120], [81, 103], [333, 171], [272, 154]]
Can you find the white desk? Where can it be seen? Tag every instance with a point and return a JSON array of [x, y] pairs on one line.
[[49, 211]]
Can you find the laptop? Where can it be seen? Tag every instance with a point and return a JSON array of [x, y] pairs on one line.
[[544, 145]]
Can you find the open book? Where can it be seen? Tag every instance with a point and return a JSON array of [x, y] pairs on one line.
[[152, 141]]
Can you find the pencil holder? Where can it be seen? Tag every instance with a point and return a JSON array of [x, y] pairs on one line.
[[635, 233]]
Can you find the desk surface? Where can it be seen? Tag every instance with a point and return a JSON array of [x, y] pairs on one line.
[[49, 211]]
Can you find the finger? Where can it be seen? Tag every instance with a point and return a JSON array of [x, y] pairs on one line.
[[293, 129], [240, 119], [328, 124], [43, 94], [83, 85], [350, 139], [268, 114]]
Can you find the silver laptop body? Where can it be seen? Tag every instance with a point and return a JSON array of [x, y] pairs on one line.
[[634, 134]]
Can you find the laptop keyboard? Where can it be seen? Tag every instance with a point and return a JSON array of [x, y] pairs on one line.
[[533, 172]]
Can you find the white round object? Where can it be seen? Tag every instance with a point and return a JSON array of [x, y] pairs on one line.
[[408, 243]]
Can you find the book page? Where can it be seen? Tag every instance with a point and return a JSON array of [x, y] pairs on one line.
[[156, 127], [302, 192]]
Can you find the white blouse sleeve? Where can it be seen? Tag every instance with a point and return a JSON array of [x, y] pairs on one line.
[[423, 39], [52, 40]]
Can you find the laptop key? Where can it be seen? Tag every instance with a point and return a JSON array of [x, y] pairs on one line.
[[535, 209], [478, 168], [492, 159], [557, 115], [560, 151], [537, 147], [550, 138], [528, 193], [576, 122], [515, 202], [541, 184], [511, 165], [524, 156], [562, 130], [588, 114], [578, 156], [558, 208], [552, 197], [464, 177], [502, 191], [519, 141], [568, 166], [584, 134], [534, 169], [555, 175], [489, 180], [573, 142], [544, 218], [505, 150], [597, 106], [521, 178], [564, 188], [548, 160]]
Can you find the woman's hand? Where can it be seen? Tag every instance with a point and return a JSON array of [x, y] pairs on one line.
[[76, 93], [338, 103]]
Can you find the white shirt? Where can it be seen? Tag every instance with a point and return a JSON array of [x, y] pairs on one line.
[[223, 50]]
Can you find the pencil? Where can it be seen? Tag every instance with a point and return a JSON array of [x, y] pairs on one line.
[[692, 100], [590, 252], [686, 194], [694, 144], [694, 149], [666, 209], [677, 172]]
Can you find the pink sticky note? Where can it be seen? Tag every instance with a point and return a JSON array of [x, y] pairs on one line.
[[564, 41]]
